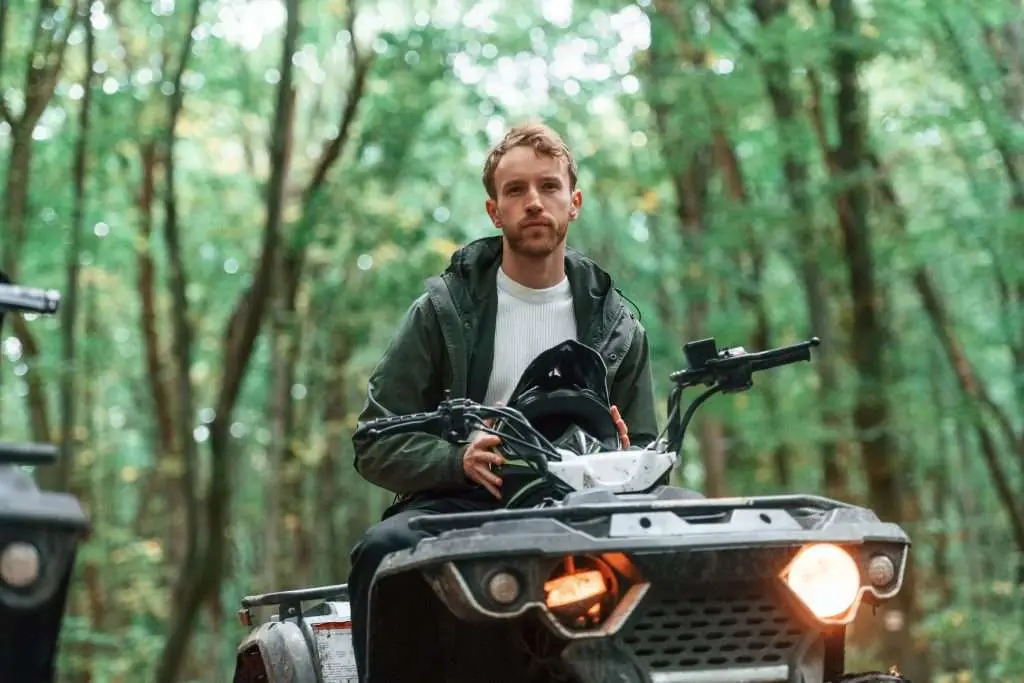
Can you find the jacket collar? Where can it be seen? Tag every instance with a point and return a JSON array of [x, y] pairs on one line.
[[474, 268]]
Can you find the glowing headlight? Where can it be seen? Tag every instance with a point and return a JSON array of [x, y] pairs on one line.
[[572, 589], [825, 578]]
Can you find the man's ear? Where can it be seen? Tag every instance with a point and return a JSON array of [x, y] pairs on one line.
[[491, 207], [577, 205]]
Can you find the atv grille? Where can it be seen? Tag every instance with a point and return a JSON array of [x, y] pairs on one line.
[[707, 632]]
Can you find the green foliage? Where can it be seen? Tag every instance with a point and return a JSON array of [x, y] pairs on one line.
[[650, 96]]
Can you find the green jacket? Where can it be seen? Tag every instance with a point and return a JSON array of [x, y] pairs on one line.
[[446, 341]]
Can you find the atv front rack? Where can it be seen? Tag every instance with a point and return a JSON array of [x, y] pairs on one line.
[[436, 524], [290, 601]]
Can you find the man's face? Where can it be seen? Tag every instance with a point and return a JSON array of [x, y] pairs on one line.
[[534, 204]]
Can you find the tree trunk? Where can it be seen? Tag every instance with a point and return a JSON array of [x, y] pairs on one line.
[[43, 67], [291, 264], [690, 164], [775, 70], [1006, 49], [283, 485], [750, 293], [879, 449], [70, 308], [335, 490], [201, 577], [971, 386], [162, 484]]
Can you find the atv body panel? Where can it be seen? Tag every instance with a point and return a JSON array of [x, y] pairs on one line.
[[311, 646], [701, 597]]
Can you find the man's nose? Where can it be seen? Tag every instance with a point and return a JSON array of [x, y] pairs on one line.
[[533, 200]]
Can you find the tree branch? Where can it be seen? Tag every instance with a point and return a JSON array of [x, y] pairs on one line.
[[332, 151], [945, 328], [744, 43]]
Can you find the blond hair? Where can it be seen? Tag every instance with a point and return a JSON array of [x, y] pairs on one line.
[[542, 138]]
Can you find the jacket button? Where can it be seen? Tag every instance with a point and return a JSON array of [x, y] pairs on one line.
[[613, 356]]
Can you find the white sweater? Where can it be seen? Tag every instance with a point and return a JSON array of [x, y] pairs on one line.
[[529, 322]]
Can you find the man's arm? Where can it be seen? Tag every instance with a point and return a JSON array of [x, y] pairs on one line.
[[632, 391], [409, 379]]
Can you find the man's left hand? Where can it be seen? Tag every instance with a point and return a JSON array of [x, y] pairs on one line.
[[621, 424]]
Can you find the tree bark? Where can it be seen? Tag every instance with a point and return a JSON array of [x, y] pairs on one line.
[[43, 67], [971, 385], [285, 499], [200, 576], [750, 293], [1006, 49], [159, 484], [775, 70], [333, 488], [181, 323], [283, 483], [70, 305], [892, 501], [689, 164]]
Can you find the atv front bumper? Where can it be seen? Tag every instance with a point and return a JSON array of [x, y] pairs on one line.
[[699, 596]]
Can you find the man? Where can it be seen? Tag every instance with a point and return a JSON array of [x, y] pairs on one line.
[[501, 302]]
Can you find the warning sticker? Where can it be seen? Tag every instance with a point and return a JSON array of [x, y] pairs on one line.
[[334, 646]]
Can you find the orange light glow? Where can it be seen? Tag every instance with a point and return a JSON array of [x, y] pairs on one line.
[[574, 588]]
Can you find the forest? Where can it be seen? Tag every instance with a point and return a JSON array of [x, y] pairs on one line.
[[238, 199]]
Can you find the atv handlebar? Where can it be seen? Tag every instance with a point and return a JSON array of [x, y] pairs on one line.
[[18, 299], [27, 453], [456, 418], [731, 368], [725, 371]]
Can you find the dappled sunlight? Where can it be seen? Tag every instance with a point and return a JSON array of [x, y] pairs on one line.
[[246, 22]]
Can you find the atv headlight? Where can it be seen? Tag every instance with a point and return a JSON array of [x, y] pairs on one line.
[[581, 590], [825, 578], [19, 564]]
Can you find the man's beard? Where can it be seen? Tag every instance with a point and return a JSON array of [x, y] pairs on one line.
[[536, 241]]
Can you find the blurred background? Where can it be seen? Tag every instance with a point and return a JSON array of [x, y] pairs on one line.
[[239, 199]]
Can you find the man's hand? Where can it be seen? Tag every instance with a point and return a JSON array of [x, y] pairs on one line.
[[621, 424], [477, 461]]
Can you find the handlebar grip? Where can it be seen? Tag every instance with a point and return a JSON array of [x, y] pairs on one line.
[[430, 422], [760, 360], [689, 373], [784, 356], [15, 298], [781, 359], [28, 453]]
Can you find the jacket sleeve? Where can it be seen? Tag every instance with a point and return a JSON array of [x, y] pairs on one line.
[[409, 379], [632, 391]]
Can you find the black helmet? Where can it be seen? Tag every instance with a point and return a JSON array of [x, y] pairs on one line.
[[564, 395], [564, 387]]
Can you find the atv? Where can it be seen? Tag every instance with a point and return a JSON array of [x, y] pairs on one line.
[[39, 536], [601, 572]]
